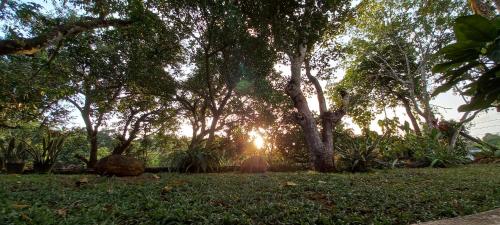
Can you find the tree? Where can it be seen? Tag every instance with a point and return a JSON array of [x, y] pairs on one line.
[[55, 31], [394, 51], [23, 102], [394, 55], [138, 113], [295, 27], [227, 60], [96, 77]]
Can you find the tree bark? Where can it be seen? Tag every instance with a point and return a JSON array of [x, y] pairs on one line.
[[483, 8], [125, 143], [412, 117], [217, 114], [94, 146], [30, 46], [92, 131], [322, 157]]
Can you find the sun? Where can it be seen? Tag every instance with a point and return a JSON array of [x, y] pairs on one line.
[[257, 139]]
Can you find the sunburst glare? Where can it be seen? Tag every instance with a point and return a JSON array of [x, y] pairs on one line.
[[257, 139]]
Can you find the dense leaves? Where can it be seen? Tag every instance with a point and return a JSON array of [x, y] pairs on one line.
[[473, 59]]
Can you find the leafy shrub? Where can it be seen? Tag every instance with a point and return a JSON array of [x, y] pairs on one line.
[[195, 160], [431, 149], [45, 154], [486, 155], [357, 154], [13, 151]]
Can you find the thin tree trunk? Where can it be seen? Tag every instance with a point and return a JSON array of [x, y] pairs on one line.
[[413, 120], [325, 115], [122, 147], [217, 114]]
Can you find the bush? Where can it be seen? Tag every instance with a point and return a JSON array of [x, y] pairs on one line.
[[431, 149], [12, 151], [195, 160], [14, 155], [486, 155], [357, 153], [46, 154]]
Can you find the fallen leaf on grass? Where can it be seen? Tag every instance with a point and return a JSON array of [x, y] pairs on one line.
[[108, 208], [176, 183], [322, 182], [289, 183], [62, 212], [82, 181], [19, 206], [26, 218], [166, 189]]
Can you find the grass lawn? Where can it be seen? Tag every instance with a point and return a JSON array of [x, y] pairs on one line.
[[399, 196]]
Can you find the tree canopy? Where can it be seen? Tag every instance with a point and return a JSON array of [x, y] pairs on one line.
[[284, 71]]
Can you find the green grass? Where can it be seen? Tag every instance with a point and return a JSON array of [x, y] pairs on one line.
[[383, 197]]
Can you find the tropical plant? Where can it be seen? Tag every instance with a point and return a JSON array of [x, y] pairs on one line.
[[13, 152], [431, 149], [14, 155], [357, 154], [195, 160], [486, 154], [473, 59], [45, 156]]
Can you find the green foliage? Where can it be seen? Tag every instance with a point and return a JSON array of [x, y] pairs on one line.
[[399, 196], [45, 154], [488, 154], [429, 149], [357, 153], [195, 160], [386, 67], [492, 139], [292, 146], [76, 143], [13, 150], [477, 48]]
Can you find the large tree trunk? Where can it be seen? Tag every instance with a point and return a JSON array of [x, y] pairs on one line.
[[93, 149], [322, 157], [213, 126]]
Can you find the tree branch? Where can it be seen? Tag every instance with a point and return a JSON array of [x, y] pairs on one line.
[[30, 46]]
